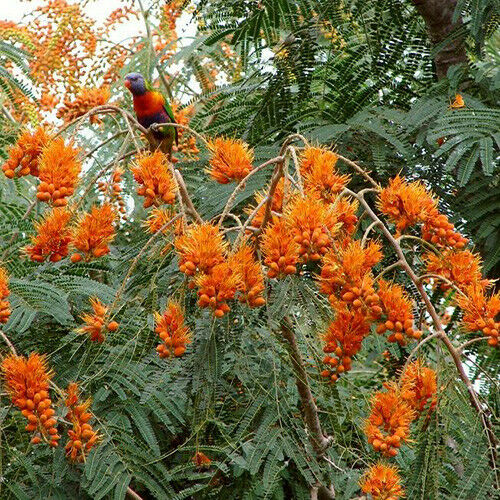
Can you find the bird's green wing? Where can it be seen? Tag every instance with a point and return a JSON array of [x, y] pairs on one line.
[[167, 108]]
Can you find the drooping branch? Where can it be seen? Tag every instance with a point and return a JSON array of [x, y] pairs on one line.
[[319, 441]]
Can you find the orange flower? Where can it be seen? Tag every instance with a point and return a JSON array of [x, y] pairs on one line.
[[201, 460], [82, 436], [94, 232], [343, 340], [25, 154], [59, 169], [321, 178], [251, 285], [346, 275], [406, 204], [52, 236], [84, 102], [95, 323], [382, 482], [187, 143], [389, 422], [458, 102], [480, 312], [438, 230], [172, 331], [157, 183], [397, 313], [231, 160], [419, 386], [200, 248], [276, 204], [27, 381], [112, 190], [216, 288], [345, 213], [312, 224], [312, 158], [4, 293], [461, 267], [281, 252], [157, 218]]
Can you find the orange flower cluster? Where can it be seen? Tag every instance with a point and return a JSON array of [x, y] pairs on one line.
[[95, 324], [4, 293], [321, 178], [397, 311], [59, 169], [461, 267], [312, 225], [346, 275], [27, 381], [480, 312], [200, 248], [216, 288], [419, 387], [407, 204], [25, 154], [187, 142], [343, 340], [251, 285], [231, 160], [382, 482], [157, 183], [113, 190], [280, 250], [441, 232], [276, 204], [345, 214], [82, 436], [172, 331], [389, 421], [52, 238], [94, 232], [157, 218], [85, 100], [201, 460]]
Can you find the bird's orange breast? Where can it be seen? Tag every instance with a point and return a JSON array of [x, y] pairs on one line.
[[148, 104]]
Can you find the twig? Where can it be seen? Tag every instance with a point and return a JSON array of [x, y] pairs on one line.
[[103, 143], [136, 260], [441, 278], [360, 171], [250, 218], [8, 342], [420, 240], [386, 270], [461, 348], [186, 198], [278, 173], [132, 494], [367, 232], [159, 126], [241, 186], [416, 348], [319, 441]]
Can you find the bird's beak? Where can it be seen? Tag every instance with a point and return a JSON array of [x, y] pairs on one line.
[[127, 84]]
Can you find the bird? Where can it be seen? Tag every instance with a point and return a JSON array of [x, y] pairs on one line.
[[151, 107]]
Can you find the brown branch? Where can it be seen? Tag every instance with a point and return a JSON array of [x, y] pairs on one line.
[[186, 199], [132, 494], [361, 171], [241, 186], [319, 441], [8, 342], [277, 174]]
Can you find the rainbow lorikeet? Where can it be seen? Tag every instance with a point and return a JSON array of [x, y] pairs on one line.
[[151, 107]]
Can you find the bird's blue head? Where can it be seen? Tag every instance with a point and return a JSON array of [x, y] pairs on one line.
[[135, 83]]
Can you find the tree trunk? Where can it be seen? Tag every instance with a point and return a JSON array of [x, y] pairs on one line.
[[438, 16]]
